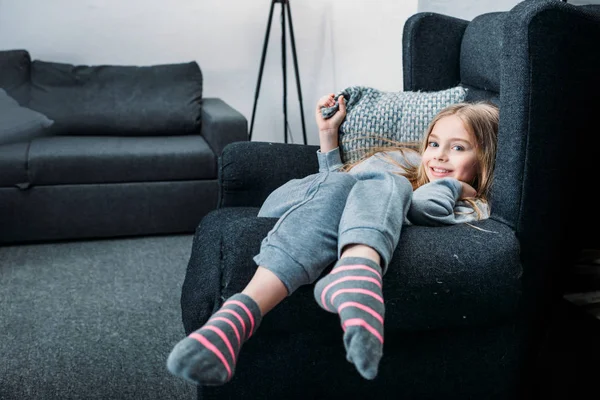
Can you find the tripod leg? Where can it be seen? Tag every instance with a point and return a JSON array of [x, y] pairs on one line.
[[295, 57], [284, 68], [262, 65]]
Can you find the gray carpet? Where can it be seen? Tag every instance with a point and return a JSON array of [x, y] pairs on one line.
[[92, 319]]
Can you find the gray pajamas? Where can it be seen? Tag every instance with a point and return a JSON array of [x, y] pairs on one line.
[[367, 205]]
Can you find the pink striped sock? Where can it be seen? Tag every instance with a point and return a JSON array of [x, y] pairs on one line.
[[353, 289], [208, 356]]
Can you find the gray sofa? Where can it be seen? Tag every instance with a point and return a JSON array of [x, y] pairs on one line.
[[131, 150]]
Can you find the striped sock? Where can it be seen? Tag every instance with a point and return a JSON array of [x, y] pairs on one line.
[[353, 290], [208, 356]]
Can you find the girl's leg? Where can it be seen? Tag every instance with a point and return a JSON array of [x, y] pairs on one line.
[[208, 356], [304, 241], [368, 235], [265, 289], [295, 252]]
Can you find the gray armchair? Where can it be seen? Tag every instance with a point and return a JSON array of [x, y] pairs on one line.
[[466, 309]]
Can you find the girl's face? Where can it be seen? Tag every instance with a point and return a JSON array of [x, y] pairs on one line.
[[451, 151]]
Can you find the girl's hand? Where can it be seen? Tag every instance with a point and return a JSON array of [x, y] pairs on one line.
[[328, 128], [467, 190]]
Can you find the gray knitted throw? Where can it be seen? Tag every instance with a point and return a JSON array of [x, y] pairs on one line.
[[374, 117]]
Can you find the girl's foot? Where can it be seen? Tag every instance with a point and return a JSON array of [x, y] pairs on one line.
[[208, 356], [353, 289]]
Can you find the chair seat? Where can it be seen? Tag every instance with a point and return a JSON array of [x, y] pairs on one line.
[[438, 277], [60, 160]]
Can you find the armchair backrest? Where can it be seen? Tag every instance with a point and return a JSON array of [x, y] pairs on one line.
[[480, 48], [549, 99], [539, 63]]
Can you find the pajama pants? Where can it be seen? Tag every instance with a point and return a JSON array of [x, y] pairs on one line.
[[321, 214]]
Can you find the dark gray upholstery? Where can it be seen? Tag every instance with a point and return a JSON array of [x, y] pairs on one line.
[[52, 212], [13, 164], [111, 159], [133, 150], [118, 100], [466, 309], [479, 50], [15, 74], [460, 285]]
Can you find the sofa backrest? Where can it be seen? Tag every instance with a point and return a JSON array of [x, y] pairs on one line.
[[118, 100], [15, 73]]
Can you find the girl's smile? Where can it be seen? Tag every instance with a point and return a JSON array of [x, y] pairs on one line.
[[450, 152]]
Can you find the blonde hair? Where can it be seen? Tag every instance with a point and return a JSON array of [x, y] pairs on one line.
[[480, 119]]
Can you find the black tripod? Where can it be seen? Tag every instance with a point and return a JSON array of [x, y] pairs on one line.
[[285, 5]]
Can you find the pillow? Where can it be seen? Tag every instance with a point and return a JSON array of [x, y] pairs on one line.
[[17, 123], [374, 117]]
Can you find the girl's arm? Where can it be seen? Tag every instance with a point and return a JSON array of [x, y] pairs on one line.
[[328, 128], [330, 161], [436, 203], [329, 154]]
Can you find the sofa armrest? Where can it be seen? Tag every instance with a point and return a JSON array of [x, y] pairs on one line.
[[249, 171], [222, 124], [431, 51]]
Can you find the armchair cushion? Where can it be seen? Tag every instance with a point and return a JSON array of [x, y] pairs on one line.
[[375, 118], [437, 279], [17, 123], [118, 100]]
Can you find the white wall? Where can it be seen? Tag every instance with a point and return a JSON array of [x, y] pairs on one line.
[[338, 43], [469, 9], [583, 2], [466, 9]]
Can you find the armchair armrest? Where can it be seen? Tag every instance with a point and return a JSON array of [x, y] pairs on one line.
[[431, 51], [222, 124], [249, 171]]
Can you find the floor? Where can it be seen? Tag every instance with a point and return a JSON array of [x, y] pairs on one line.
[[92, 319]]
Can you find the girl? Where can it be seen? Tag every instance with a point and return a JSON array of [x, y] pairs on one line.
[[352, 214]]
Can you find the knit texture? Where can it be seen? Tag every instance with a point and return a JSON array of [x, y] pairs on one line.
[[375, 118]]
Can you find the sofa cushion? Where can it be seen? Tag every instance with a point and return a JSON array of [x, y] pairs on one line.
[[375, 118], [18, 123], [118, 100], [15, 71], [13, 164], [109, 159]]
